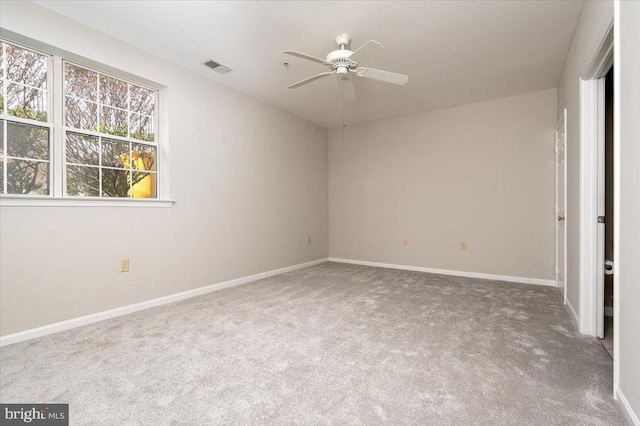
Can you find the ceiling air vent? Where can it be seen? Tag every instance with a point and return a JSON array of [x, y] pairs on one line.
[[216, 66]]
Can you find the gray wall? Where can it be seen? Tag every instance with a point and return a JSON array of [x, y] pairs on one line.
[[481, 173], [629, 167], [250, 182]]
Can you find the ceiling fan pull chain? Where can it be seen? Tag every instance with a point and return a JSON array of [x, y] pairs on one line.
[[343, 125]]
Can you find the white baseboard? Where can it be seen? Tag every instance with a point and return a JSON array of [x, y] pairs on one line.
[[608, 311], [116, 312], [574, 315], [626, 407], [522, 280]]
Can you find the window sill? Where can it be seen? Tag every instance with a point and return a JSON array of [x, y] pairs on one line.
[[44, 201]]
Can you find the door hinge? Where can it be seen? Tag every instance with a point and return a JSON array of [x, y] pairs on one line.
[[600, 219]]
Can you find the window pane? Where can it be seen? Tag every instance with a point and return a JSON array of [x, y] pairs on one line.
[[115, 153], [83, 181], [27, 177], [80, 82], [82, 149], [142, 127], [1, 96], [113, 121], [2, 60], [143, 157], [27, 141], [143, 185], [1, 137], [26, 67], [115, 183], [142, 100], [80, 114], [113, 92], [26, 102], [1, 175]]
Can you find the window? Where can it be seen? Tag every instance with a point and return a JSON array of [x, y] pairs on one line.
[[95, 136], [109, 136], [25, 128]]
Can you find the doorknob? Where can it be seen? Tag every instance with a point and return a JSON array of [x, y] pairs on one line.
[[560, 218]]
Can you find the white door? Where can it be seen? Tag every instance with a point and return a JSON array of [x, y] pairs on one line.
[[561, 211], [601, 211]]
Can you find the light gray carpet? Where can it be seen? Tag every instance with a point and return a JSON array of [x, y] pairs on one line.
[[331, 344]]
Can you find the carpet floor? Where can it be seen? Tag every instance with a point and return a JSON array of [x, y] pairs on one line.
[[330, 344]]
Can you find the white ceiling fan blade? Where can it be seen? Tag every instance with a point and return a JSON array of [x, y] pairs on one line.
[[346, 85], [310, 79], [366, 51], [386, 76], [307, 57]]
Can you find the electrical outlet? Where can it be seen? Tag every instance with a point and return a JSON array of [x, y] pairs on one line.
[[309, 240], [124, 265], [405, 242], [463, 245]]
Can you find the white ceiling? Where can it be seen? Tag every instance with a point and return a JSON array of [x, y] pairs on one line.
[[455, 52]]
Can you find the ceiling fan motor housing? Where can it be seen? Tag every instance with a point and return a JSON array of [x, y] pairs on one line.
[[340, 61]]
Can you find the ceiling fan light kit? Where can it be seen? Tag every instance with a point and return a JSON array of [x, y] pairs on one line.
[[343, 61]]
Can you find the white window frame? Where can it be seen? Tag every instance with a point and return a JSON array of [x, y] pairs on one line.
[[55, 122]]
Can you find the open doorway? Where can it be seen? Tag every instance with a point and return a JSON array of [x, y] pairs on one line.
[[597, 199], [609, 256], [592, 206]]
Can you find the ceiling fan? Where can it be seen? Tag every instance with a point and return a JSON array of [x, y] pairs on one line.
[[343, 62]]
